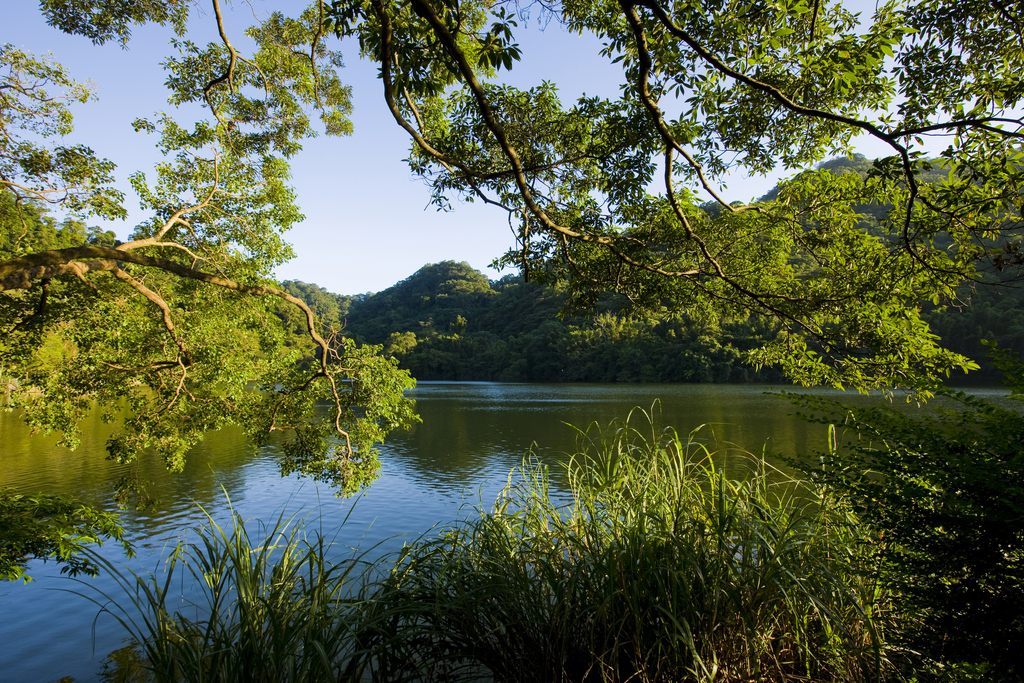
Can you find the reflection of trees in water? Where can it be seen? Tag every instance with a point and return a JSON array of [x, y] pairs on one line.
[[472, 429], [471, 433], [125, 665], [35, 463]]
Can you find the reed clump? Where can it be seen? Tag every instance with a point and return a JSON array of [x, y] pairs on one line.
[[658, 567], [271, 608]]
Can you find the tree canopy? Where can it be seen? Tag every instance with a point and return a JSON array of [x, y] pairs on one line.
[[173, 331], [169, 329], [611, 193]]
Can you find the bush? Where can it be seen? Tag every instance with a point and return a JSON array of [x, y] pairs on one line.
[[945, 492]]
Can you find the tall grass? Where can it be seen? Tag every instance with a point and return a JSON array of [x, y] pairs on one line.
[[272, 608], [654, 566], [659, 568]]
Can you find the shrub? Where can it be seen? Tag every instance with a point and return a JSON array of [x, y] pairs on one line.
[[945, 491]]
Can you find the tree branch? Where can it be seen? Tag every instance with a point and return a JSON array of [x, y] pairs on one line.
[[424, 10], [19, 273], [783, 99], [159, 302]]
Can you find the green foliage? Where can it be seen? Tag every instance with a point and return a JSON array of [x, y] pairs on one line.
[[52, 527], [331, 308], [103, 20], [372, 404], [433, 296], [447, 322], [34, 98], [170, 328], [659, 567], [988, 312], [945, 492], [29, 226], [272, 607], [611, 193], [173, 333]]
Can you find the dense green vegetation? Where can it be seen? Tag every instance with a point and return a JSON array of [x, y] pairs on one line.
[[448, 322], [945, 493], [165, 333], [613, 194], [54, 527], [29, 223], [660, 568], [992, 312]]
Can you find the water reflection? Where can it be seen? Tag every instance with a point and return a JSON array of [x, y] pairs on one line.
[[473, 432]]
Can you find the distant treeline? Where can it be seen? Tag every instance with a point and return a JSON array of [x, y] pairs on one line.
[[449, 322]]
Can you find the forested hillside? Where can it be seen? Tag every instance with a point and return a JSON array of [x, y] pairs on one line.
[[447, 321]]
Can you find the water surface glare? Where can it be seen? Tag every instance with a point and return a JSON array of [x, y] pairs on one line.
[[472, 435]]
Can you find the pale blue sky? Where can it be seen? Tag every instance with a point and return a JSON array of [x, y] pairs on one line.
[[368, 221]]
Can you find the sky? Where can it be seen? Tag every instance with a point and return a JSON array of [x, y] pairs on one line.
[[369, 222]]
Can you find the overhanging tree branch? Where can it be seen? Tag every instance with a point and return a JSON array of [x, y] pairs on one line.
[[424, 10], [19, 273]]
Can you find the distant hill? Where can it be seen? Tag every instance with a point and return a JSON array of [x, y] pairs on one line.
[[447, 321]]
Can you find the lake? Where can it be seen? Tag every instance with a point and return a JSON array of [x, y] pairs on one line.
[[472, 435]]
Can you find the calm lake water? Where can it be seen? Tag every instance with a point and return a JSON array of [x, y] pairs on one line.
[[472, 435]]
